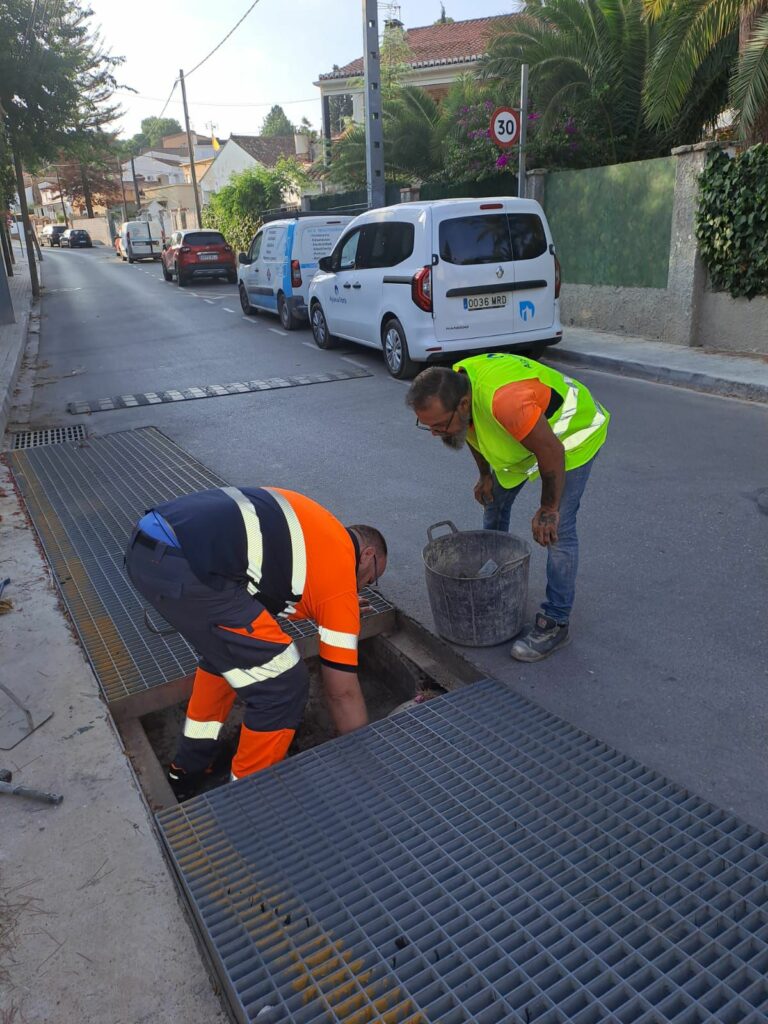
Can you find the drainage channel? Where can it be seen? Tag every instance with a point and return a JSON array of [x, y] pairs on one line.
[[472, 858]]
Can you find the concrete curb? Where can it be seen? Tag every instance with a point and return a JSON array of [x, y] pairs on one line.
[[10, 365], [708, 383]]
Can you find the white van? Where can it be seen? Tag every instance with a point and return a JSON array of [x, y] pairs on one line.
[[275, 273], [140, 240], [428, 281]]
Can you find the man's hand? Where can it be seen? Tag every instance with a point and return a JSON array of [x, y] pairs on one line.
[[544, 525], [484, 489], [364, 603]]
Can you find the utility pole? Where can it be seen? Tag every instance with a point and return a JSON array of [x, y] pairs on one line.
[[135, 188], [521, 179], [374, 133], [192, 172], [61, 198], [122, 187]]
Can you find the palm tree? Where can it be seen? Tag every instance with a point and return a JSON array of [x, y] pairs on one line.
[[590, 59], [692, 32], [410, 123]]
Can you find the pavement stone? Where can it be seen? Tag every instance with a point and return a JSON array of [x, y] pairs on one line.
[[13, 337], [733, 376]]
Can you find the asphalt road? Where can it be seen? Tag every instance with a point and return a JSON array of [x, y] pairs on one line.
[[668, 661]]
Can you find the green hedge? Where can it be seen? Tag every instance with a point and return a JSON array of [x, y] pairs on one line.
[[732, 222]]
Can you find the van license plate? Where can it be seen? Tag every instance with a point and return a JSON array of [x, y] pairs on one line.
[[208, 256], [495, 301]]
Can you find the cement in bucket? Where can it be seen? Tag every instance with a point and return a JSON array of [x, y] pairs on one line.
[[472, 609]]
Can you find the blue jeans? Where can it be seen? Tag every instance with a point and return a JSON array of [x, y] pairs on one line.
[[563, 557]]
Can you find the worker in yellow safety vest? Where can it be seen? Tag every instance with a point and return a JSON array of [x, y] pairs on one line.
[[522, 420]]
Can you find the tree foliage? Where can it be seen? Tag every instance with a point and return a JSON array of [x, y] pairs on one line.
[[693, 33], [276, 123], [56, 79], [152, 131], [588, 63], [236, 210], [732, 221]]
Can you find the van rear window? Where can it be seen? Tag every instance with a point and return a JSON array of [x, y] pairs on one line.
[[204, 238], [492, 238]]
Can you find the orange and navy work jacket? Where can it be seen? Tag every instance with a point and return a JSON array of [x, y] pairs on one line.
[[290, 553]]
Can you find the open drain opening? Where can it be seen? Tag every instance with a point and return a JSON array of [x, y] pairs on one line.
[[398, 669], [384, 695]]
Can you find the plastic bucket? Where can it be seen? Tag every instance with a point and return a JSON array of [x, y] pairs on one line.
[[477, 610]]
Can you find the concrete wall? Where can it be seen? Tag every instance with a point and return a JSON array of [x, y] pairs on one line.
[[609, 231], [612, 225], [732, 325]]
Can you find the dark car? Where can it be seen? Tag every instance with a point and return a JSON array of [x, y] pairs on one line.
[[76, 238], [200, 253], [51, 234]]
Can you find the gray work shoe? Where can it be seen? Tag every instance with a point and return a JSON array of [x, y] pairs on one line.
[[543, 638]]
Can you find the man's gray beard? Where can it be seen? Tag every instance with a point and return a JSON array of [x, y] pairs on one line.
[[456, 441]]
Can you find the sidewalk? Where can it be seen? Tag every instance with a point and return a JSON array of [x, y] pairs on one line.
[[733, 376], [13, 337]]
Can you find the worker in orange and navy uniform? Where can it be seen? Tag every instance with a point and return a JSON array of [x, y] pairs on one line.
[[222, 567]]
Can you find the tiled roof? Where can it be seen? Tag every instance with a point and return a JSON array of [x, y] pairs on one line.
[[450, 43], [266, 149]]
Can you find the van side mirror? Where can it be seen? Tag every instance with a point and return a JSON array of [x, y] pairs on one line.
[[325, 263], [242, 258]]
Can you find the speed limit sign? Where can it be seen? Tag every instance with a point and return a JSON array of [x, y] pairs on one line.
[[505, 126]]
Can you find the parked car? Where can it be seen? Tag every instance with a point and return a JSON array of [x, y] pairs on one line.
[[275, 273], [76, 238], [51, 234], [140, 240], [198, 253], [427, 281]]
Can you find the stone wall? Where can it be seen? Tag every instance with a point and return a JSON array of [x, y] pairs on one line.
[[682, 309]]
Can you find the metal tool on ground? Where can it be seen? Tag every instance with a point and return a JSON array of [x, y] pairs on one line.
[[7, 786]]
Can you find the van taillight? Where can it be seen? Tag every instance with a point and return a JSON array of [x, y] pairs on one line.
[[421, 289], [295, 274], [557, 278], [127, 236]]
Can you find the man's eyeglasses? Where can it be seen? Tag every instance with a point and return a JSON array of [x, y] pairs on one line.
[[375, 572], [436, 429]]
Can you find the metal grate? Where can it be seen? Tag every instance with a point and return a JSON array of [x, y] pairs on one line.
[[211, 391], [474, 860], [301, 629], [84, 501], [51, 435]]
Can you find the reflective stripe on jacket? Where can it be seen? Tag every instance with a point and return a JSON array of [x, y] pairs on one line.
[[580, 423], [284, 548]]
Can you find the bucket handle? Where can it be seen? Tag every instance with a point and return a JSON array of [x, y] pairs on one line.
[[443, 522]]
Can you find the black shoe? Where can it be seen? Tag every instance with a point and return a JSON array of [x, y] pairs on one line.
[[185, 784], [543, 638]]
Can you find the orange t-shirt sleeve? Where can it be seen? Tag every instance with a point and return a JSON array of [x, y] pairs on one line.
[[338, 621], [518, 406]]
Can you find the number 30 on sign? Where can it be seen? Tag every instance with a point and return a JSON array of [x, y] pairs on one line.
[[505, 126]]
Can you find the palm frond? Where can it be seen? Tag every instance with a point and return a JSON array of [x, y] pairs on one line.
[[749, 88]]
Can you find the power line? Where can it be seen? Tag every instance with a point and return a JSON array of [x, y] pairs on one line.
[[173, 89], [214, 103], [226, 37]]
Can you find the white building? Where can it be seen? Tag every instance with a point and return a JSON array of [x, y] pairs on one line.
[[239, 153], [158, 168]]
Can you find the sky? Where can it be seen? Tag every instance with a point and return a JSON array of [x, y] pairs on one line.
[[281, 48]]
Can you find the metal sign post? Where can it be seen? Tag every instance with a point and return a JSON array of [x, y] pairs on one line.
[[508, 128], [521, 180]]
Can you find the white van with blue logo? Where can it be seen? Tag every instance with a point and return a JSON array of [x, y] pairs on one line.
[[275, 273], [429, 281]]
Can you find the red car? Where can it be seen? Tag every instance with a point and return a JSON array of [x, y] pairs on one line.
[[198, 253]]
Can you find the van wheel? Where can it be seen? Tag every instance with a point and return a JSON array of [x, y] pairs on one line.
[[399, 362], [323, 337], [287, 319], [245, 305]]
